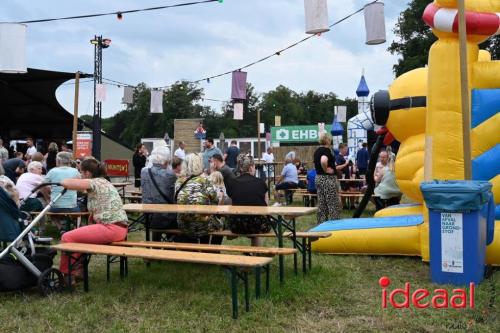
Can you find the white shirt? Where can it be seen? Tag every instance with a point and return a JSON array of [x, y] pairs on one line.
[[27, 182], [31, 151], [180, 153], [268, 158]]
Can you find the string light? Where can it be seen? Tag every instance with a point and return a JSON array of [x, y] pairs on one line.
[[277, 53], [119, 14]]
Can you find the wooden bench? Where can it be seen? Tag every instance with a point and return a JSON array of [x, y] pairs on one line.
[[305, 249], [133, 198], [266, 251], [72, 215], [309, 199], [134, 192], [237, 265]]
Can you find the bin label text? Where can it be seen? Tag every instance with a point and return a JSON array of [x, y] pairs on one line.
[[452, 250]]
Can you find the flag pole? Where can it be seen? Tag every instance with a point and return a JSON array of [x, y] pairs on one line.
[[464, 87], [75, 111]]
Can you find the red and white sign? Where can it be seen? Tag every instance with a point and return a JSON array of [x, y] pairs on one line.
[[117, 168], [83, 145]]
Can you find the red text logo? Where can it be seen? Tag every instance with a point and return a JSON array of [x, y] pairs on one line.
[[422, 298]]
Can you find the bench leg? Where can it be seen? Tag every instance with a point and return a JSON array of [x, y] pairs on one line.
[[234, 292], [268, 268], [257, 282], [146, 226], [83, 260], [304, 255], [294, 240], [247, 294], [108, 268], [309, 250], [86, 259], [280, 244], [122, 267]]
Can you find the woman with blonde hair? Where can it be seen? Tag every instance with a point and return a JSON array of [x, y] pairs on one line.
[[192, 188], [220, 188], [326, 181]]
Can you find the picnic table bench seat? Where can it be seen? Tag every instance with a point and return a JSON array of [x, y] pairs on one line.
[[307, 238], [237, 265], [309, 199], [266, 251]]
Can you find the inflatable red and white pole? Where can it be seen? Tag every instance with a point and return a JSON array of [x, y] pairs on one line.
[[446, 20]]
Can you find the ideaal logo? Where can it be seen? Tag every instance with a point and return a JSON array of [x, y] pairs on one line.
[[423, 298]]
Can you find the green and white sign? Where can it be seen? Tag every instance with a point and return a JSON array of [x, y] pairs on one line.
[[307, 133]]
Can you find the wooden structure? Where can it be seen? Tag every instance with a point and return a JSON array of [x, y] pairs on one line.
[[184, 131]]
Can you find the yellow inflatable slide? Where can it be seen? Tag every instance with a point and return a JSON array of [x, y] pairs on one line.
[[424, 115]]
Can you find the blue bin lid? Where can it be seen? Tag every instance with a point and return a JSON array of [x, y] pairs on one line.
[[456, 195]]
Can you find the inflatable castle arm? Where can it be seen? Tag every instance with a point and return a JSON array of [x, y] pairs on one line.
[[486, 75]]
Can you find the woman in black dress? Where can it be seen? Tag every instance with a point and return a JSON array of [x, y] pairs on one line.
[[139, 162], [326, 181]]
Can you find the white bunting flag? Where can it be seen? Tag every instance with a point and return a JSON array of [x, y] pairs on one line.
[[100, 92], [128, 95], [341, 113], [156, 101], [238, 111]]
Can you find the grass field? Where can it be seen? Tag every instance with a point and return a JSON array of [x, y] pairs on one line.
[[341, 294]]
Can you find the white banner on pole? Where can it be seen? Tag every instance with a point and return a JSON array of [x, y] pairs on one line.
[[238, 111], [100, 92]]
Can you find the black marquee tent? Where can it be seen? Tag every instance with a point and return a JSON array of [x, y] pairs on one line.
[[28, 105]]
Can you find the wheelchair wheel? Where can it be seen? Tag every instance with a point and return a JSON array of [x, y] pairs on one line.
[[50, 281]]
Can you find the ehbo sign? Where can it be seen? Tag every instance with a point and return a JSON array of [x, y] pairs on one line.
[[308, 133]]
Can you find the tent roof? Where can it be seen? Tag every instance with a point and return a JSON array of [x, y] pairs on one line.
[[29, 105]]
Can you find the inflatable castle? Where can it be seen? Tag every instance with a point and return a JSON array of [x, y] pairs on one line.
[[423, 112]]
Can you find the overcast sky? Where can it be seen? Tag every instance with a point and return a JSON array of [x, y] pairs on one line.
[[164, 46]]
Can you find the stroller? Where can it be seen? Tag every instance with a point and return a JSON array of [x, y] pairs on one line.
[[20, 264]]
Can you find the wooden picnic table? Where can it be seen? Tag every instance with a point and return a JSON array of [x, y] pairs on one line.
[[121, 188], [73, 215], [283, 216]]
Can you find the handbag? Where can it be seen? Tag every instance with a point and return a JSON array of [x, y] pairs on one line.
[[159, 221]]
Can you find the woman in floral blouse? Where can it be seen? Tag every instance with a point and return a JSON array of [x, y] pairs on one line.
[[105, 206], [192, 188]]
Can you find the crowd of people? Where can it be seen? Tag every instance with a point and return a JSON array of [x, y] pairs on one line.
[[208, 178], [21, 177]]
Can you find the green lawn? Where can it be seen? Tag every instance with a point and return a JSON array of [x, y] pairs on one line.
[[341, 294]]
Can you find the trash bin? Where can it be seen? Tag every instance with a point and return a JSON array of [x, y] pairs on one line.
[[461, 224]]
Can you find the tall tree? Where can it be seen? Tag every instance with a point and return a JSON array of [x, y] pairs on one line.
[[415, 39]]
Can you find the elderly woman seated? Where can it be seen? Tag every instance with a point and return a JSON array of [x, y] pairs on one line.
[[158, 184], [25, 185], [192, 188], [66, 203]]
